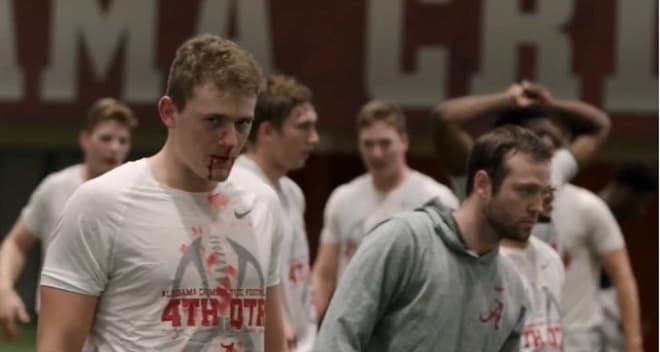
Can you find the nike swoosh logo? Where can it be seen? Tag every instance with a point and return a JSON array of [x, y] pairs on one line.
[[241, 215]]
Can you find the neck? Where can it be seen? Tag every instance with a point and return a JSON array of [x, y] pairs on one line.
[[505, 242], [272, 171], [478, 235], [386, 183], [607, 194], [87, 173], [168, 170]]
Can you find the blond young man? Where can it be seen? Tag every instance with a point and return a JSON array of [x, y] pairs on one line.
[[162, 253], [105, 140], [283, 136], [389, 187]]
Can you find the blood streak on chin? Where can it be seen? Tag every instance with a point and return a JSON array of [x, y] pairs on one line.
[[210, 174]]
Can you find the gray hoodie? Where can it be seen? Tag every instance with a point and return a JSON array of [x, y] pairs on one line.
[[414, 286]]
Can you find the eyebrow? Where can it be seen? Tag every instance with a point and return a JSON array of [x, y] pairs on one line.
[[225, 117]]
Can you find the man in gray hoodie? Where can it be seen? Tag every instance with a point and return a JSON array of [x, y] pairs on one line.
[[433, 279]]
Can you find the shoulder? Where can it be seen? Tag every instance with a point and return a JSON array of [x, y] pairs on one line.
[[582, 200], [71, 175], [416, 224], [546, 253], [293, 191], [103, 201], [349, 191], [243, 180], [410, 229], [107, 189], [435, 189], [509, 272]]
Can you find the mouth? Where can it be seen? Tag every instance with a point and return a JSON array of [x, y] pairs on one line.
[[219, 160], [110, 161], [528, 223]]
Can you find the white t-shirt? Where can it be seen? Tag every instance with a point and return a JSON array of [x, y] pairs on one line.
[[542, 274], [41, 213], [611, 329], [173, 270], [295, 279], [586, 229], [356, 207]]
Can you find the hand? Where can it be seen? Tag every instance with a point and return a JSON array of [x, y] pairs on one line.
[[516, 93], [635, 348], [290, 335], [11, 309], [634, 345], [536, 93]]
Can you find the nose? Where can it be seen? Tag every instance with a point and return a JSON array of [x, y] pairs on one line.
[[228, 136], [314, 137], [115, 146], [537, 205]]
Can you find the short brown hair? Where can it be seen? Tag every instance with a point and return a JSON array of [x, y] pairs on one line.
[[281, 95], [491, 151], [107, 109], [380, 110], [212, 58]]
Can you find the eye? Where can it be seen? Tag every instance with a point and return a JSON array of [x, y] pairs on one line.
[[243, 123], [212, 120], [528, 191], [385, 143]]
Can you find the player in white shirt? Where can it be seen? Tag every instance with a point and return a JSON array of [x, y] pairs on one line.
[[282, 137], [389, 187], [105, 141], [542, 273], [627, 194], [162, 254], [590, 238], [556, 121]]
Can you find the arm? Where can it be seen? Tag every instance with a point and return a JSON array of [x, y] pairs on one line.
[[13, 251], [452, 143], [589, 125], [324, 277], [65, 319], [618, 268], [382, 268], [274, 341]]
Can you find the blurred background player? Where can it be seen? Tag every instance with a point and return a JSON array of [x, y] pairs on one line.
[[105, 141], [542, 273], [532, 106], [627, 194], [388, 187], [282, 137]]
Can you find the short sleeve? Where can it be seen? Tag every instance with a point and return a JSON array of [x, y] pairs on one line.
[[36, 209], [563, 167], [79, 256], [605, 231], [330, 232], [276, 242]]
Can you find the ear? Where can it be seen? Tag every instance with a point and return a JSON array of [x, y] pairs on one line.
[[404, 141], [83, 140], [481, 185], [167, 111], [266, 130]]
